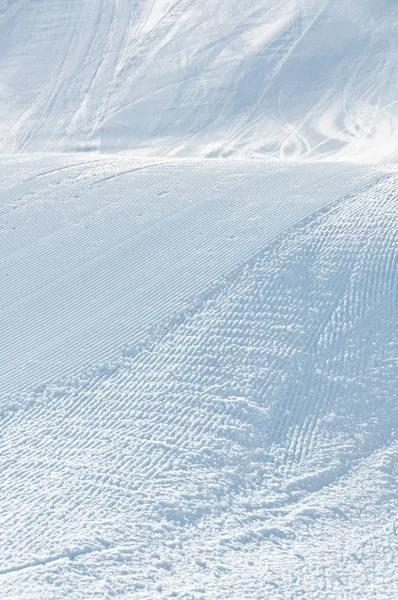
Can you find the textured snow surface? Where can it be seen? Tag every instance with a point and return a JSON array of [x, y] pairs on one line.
[[198, 356], [242, 78], [243, 446], [92, 252]]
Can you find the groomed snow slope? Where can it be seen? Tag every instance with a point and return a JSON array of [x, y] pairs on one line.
[[242, 78], [245, 448], [198, 356], [94, 251]]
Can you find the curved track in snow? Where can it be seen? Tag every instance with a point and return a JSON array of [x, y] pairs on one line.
[[290, 79]]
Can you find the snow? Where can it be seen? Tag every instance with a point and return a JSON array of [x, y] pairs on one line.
[[95, 251], [198, 275], [289, 79], [246, 447]]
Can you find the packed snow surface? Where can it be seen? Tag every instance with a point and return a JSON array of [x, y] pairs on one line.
[[93, 251], [198, 356], [241, 78], [199, 379]]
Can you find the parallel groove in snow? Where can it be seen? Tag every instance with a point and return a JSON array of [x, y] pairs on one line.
[[94, 265], [252, 434]]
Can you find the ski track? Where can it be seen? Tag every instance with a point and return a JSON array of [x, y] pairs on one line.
[[246, 447], [159, 77]]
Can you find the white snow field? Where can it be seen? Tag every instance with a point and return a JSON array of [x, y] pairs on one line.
[[198, 356], [241, 78], [93, 251], [199, 379]]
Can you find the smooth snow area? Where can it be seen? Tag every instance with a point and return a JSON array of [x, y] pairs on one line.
[[213, 78], [246, 448]]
